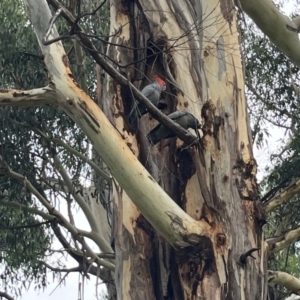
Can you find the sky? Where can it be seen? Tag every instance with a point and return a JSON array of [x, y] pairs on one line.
[[69, 289]]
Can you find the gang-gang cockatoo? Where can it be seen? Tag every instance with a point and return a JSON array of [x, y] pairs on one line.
[[151, 91], [181, 117]]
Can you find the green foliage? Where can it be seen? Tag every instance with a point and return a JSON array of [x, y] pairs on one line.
[[21, 250], [18, 69], [272, 83], [22, 67]]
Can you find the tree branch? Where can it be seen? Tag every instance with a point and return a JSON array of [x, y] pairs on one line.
[[286, 280], [40, 57], [4, 169], [282, 241], [281, 30], [39, 96], [282, 198], [243, 257], [96, 235], [5, 295], [75, 269], [53, 183], [79, 257]]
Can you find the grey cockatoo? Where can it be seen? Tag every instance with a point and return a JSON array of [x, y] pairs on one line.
[[151, 91], [181, 117]]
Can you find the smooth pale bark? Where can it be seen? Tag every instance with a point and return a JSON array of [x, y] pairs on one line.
[[216, 184], [281, 30], [280, 242], [209, 83], [290, 282], [283, 197]]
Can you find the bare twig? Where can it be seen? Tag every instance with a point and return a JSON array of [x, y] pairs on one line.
[[30, 209], [40, 57]]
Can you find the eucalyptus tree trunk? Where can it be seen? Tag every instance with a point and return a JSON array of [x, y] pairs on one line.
[[194, 46], [191, 236]]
